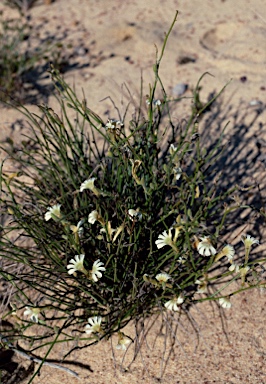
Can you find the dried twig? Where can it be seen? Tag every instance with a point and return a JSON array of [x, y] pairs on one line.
[[35, 359]]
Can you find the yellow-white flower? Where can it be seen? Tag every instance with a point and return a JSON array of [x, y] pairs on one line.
[[177, 171], [172, 149], [96, 270], [113, 124], [175, 303], [202, 286], [157, 102], [162, 277], [78, 228], [93, 216], [94, 325], [205, 247], [118, 231], [53, 213], [110, 124], [164, 239], [33, 313], [134, 215], [234, 268], [243, 272], [89, 184], [248, 242], [123, 341], [110, 232], [76, 265], [225, 302], [227, 251]]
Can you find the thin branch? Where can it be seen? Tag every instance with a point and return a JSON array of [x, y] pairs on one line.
[[35, 359]]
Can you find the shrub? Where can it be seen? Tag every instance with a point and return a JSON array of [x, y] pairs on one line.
[[23, 6], [110, 221], [23, 59]]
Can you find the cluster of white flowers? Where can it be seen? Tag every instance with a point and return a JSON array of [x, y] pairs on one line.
[[204, 247], [77, 265], [94, 326]]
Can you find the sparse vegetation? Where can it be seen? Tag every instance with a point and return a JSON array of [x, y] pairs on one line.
[[108, 222]]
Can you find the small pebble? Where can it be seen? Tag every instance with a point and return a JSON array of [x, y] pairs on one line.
[[180, 89], [81, 51], [255, 102], [243, 79]]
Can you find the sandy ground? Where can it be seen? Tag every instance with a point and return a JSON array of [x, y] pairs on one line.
[[112, 45]]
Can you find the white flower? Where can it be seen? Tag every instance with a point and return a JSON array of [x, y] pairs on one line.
[[172, 149], [76, 265], [134, 214], [205, 248], [202, 286], [243, 272], [110, 124], [162, 277], [164, 239], [93, 216], [122, 341], [78, 228], [177, 172], [94, 325], [234, 268], [118, 231], [225, 302], [227, 251], [157, 102], [113, 124], [249, 240], [96, 268], [88, 184], [33, 313], [53, 213], [174, 304], [109, 232]]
